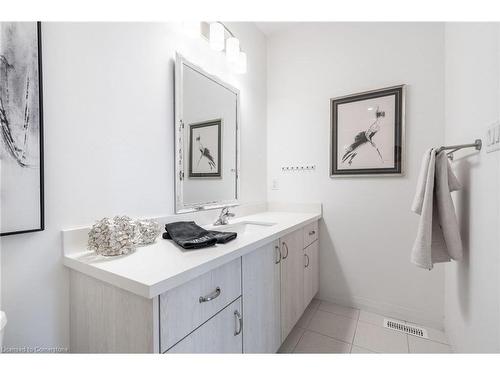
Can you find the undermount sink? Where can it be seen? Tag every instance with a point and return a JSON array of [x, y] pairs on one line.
[[243, 227]]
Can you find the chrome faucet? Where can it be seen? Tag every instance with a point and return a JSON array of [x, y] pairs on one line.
[[224, 217]]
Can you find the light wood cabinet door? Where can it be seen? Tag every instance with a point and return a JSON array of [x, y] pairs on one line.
[[292, 280], [311, 272], [261, 299], [221, 334]]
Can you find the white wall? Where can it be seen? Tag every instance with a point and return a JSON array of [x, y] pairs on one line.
[[472, 291], [368, 229], [108, 102]]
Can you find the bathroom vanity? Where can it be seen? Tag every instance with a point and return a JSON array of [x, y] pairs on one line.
[[241, 297]]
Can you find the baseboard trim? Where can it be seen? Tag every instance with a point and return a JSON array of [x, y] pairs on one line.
[[425, 318]]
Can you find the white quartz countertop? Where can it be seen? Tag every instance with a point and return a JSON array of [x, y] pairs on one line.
[[154, 269]]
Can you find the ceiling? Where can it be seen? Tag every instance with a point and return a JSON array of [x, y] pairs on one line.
[[269, 28]]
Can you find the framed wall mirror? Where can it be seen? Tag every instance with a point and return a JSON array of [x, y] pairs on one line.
[[206, 140]]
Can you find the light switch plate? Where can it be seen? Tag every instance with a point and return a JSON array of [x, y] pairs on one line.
[[276, 184], [492, 140]]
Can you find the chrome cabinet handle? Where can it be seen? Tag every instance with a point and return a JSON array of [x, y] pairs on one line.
[[238, 324], [278, 255], [286, 247], [312, 232], [211, 296], [307, 257]]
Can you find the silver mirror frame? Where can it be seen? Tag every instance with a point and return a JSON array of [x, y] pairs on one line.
[[180, 206]]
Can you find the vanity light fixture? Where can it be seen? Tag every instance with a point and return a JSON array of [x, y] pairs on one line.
[[216, 32], [217, 38], [232, 49], [241, 63]]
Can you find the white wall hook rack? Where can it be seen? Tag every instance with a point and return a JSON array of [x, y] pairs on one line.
[[298, 168]]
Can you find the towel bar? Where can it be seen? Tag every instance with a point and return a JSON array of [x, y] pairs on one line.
[[478, 144]]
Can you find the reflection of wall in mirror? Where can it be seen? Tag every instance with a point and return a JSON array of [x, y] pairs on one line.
[[204, 100]]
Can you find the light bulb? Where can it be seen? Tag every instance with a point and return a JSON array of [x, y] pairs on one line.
[[191, 28], [241, 63], [216, 36], [232, 49]]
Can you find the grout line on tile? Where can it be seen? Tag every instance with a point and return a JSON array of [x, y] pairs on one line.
[[300, 338], [347, 307], [371, 323], [319, 303], [310, 320], [370, 350], [343, 316], [427, 339], [330, 337], [355, 330]]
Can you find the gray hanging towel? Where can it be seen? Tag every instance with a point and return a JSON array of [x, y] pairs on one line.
[[438, 236]]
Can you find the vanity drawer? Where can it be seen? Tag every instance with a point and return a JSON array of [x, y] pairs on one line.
[[310, 233], [186, 307], [221, 334]]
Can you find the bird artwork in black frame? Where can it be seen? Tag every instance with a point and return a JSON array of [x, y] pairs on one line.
[[364, 137], [205, 149], [367, 133]]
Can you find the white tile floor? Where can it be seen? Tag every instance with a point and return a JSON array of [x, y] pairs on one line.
[[329, 328]]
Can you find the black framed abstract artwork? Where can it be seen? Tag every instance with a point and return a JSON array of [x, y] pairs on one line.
[[21, 133], [367, 133], [205, 149]]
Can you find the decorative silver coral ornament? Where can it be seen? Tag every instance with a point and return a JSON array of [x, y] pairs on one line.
[[148, 230], [121, 235]]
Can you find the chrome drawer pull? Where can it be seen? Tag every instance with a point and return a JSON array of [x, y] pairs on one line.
[[211, 296], [312, 232], [278, 255], [239, 323], [307, 257], [286, 247]]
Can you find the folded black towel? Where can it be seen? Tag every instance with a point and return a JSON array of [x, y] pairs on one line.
[[223, 237], [191, 236]]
